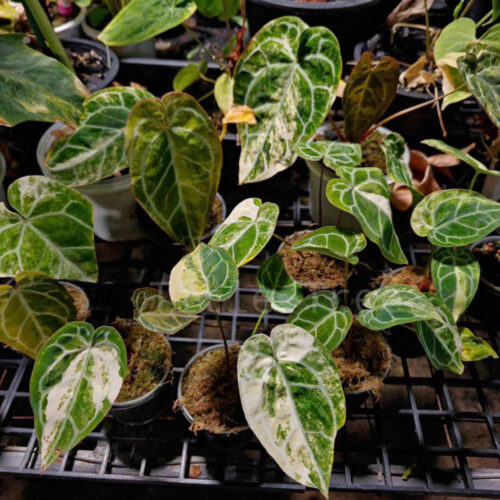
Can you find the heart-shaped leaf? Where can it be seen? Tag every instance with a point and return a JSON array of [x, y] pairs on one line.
[[455, 217], [333, 153], [368, 93], [455, 273], [247, 230], [334, 242], [32, 311], [288, 74], [282, 292], [189, 74], [206, 274], [154, 311], [293, 401], [364, 193], [36, 87], [475, 348], [96, 149], [454, 38], [320, 315], [50, 231], [175, 159], [223, 92], [135, 23], [76, 378], [221, 9]]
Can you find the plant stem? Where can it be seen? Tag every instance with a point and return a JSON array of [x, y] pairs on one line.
[[484, 19], [473, 181], [261, 317], [228, 27], [202, 45], [428, 265], [44, 26], [278, 237], [427, 32], [467, 8], [221, 330]]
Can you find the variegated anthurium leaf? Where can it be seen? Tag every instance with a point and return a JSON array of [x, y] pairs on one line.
[[36, 87], [455, 217], [97, 148], [475, 348], [393, 146], [288, 74], [281, 291], [134, 23], [334, 242], [368, 93], [206, 274], [320, 315], [247, 230], [154, 311], [175, 159], [50, 231], [441, 339], [293, 401], [76, 378], [32, 311], [461, 155], [455, 273], [333, 153], [364, 193]]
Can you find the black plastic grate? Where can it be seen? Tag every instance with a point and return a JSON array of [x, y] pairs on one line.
[[441, 430]]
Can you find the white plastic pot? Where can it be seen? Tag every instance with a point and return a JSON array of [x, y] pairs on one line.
[[3, 170], [141, 49], [115, 209], [71, 29], [317, 184]]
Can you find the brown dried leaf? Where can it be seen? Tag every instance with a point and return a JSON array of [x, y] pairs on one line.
[[240, 114], [401, 197], [407, 10]]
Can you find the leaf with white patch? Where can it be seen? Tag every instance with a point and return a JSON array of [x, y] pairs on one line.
[[206, 274], [364, 193], [475, 348], [333, 154], [293, 401], [247, 230], [154, 311], [96, 149], [76, 378], [334, 242], [288, 75], [320, 315], [281, 291], [455, 273], [50, 231], [175, 159], [455, 217], [32, 311]]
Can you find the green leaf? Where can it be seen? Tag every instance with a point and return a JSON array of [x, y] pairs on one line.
[[96, 149], [216, 8], [455, 273], [368, 93], [455, 217], [454, 38], [475, 348], [320, 315], [206, 274], [334, 242], [189, 74], [36, 87], [175, 159], [247, 230], [496, 10], [154, 311], [293, 401], [334, 154], [282, 292], [364, 193], [135, 23], [288, 74], [461, 155], [32, 311], [223, 92], [75, 380], [50, 231]]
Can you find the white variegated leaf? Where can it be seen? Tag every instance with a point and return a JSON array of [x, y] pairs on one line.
[[475, 348], [206, 274], [76, 378], [333, 153], [293, 401], [247, 230], [154, 311], [320, 315]]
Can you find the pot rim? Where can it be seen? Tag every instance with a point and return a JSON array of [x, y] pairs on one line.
[[76, 21], [343, 5], [487, 239], [186, 368]]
